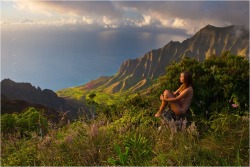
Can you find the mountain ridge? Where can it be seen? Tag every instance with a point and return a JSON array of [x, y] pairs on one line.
[[15, 97], [137, 74], [27, 92]]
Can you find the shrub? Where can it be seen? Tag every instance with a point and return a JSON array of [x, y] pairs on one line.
[[216, 81], [30, 120]]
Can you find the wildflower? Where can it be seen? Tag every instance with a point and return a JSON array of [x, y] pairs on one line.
[[69, 138], [234, 105], [184, 124], [192, 129], [173, 129], [186, 148], [159, 128]]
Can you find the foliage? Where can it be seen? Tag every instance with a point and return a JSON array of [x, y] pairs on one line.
[[8, 122], [228, 132], [30, 120], [225, 143], [137, 150], [219, 82], [125, 131], [74, 92], [122, 157]]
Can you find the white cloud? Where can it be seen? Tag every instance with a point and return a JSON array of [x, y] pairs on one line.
[[147, 20], [4, 21], [178, 23], [108, 23], [87, 20]]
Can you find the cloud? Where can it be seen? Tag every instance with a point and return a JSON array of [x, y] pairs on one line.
[[178, 23], [87, 20], [108, 23], [146, 20], [72, 8], [32, 6], [190, 16]]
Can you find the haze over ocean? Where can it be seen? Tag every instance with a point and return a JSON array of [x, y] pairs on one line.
[[65, 57], [56, 44]]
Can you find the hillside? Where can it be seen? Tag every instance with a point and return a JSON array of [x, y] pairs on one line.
[[27, 92], [137, 74], [126, 133], [10, 106], [15, 97]]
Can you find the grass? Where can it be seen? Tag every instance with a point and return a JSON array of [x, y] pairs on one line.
[[130, 143]]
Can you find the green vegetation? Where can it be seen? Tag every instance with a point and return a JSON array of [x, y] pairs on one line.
[[74, 92], [125, 131], [31, 120]]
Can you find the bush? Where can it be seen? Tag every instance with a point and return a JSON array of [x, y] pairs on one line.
[[30, 120], [219, 82]]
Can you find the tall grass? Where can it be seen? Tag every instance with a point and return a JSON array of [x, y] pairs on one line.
[[105, 143]]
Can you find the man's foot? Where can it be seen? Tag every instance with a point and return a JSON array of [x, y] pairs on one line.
[[158, 114]]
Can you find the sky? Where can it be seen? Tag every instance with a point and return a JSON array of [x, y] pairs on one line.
[[62, 44]]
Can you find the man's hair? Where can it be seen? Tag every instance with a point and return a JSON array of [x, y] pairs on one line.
[[188, 78]]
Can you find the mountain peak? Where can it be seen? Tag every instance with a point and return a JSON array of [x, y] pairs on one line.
[[227, 29], [211, 27], [29, 93], [10, 82], [7, 80], [138, 73]]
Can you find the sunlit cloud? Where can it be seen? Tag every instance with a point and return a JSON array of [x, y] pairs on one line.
[[87, 20], [190, 16], [146, 20], [33, 7], [178, 23], [108, 23]]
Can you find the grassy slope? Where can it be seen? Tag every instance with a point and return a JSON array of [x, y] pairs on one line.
[[127, 134], [102, 142]]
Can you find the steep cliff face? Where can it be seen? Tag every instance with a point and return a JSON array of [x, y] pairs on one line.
[[138, 73]]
